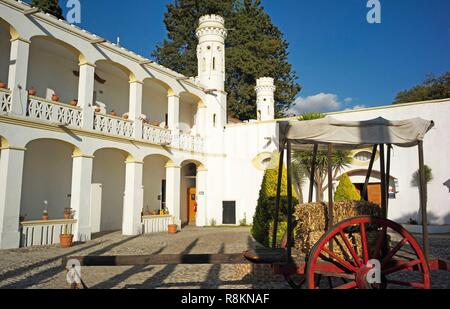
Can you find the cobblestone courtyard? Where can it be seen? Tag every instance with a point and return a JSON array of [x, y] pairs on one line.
[[41, 267]]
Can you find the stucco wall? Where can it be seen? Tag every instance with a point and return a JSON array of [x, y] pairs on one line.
[[47, 176], [154, 173], [52, 68], [154, 102], [109, 170]]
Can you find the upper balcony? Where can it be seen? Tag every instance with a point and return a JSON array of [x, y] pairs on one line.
[[59, 87]]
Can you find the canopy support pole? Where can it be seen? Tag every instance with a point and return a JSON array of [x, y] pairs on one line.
[[383, 182], [330, 187], [388, 176], [369, 171], [423, 201], [278, 199], [289, 191], [313, 173]]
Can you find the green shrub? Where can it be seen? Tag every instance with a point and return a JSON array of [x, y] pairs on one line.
[[265, 210], [346, 191]]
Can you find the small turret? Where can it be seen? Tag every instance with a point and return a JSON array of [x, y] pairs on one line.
[[265, 98]]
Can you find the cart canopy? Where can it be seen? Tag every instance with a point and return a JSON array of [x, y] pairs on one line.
[[353, 134]]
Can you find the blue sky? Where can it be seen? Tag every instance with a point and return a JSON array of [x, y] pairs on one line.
[[341, 60]]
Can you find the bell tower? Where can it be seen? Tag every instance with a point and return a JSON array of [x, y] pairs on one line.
[[265, 98], [211, 35]]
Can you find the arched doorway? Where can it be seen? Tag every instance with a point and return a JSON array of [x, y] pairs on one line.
[[5, 47], [154, 182]]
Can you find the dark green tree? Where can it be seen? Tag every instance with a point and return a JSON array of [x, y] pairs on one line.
[[433, 88], [255, 47], [49, 6]]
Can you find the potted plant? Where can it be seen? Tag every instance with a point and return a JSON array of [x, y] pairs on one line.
[[45, 216], [55, 97], [125, 116], [66, 238], [113, 113], [68, 213], [3, 85], [173, 228], [74, 102], [22, 218], [97, 109], [32, 91]]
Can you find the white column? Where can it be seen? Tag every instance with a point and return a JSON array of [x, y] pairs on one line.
[[202, 207], [136, 107], [134, 199], [174, 112], [81, 196], [86, 94], [11, 170], [173, 201], [17, 79]]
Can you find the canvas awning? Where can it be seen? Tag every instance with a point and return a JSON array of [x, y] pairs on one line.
[[353, 134]]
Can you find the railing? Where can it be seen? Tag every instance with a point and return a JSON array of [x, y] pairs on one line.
[[156, 135], [190, 143], [44, 233], [113, 125], [55, 112], [5, 101], [156, 224]]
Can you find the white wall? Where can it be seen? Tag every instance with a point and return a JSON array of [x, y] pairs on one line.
[[5, 50], [154, 174], [47, 176], [154, 102], [114, 93], [405, 160], [51, 67], [109, 170]]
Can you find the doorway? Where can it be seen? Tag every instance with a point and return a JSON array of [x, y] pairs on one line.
[[373, 194], [192, 206]]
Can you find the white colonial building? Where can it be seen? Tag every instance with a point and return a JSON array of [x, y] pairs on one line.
[[87, 124]]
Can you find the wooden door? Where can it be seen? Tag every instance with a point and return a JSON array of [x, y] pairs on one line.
[[192, 211], [374, 193]]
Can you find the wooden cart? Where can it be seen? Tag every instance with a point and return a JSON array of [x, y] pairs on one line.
[[393, 258]]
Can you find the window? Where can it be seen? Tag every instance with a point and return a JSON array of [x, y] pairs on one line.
[[363, 156], [214, 120], [214, 63], [259, 115]]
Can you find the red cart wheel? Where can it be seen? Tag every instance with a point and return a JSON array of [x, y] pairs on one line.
[[368, 253]]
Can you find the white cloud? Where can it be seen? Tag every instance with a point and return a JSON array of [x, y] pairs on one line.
[[348, 100], [356, 107], [322, 102]]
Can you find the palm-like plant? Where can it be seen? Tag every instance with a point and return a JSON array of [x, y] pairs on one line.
[[302, 162]]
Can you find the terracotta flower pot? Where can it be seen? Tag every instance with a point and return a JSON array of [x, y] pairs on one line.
[[67, 216], [32, 92], [65, 240], [3, 85], [45, 217], [74, 103], [114, 114], [55, 98], [125, 117], [173, 228], [98, 109]]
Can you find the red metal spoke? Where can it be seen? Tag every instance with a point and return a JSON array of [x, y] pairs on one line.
[[364, 243], [351, 249], [391, 254], [339, 260], [401, 266], [379, 243], [416, 285], [347, 286]]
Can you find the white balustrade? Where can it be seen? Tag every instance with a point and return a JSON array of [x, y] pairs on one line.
[[44, 233], [54, 112], [5, 101], [156, 135], [190, 143], [156, 224], [113, 125]]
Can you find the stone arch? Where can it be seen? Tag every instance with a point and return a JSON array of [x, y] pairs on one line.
[[131, 75], [81, 56], [10, 28], [190, 105], [154, 183]]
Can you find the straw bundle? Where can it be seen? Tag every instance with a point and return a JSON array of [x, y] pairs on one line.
[[312, 223]]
